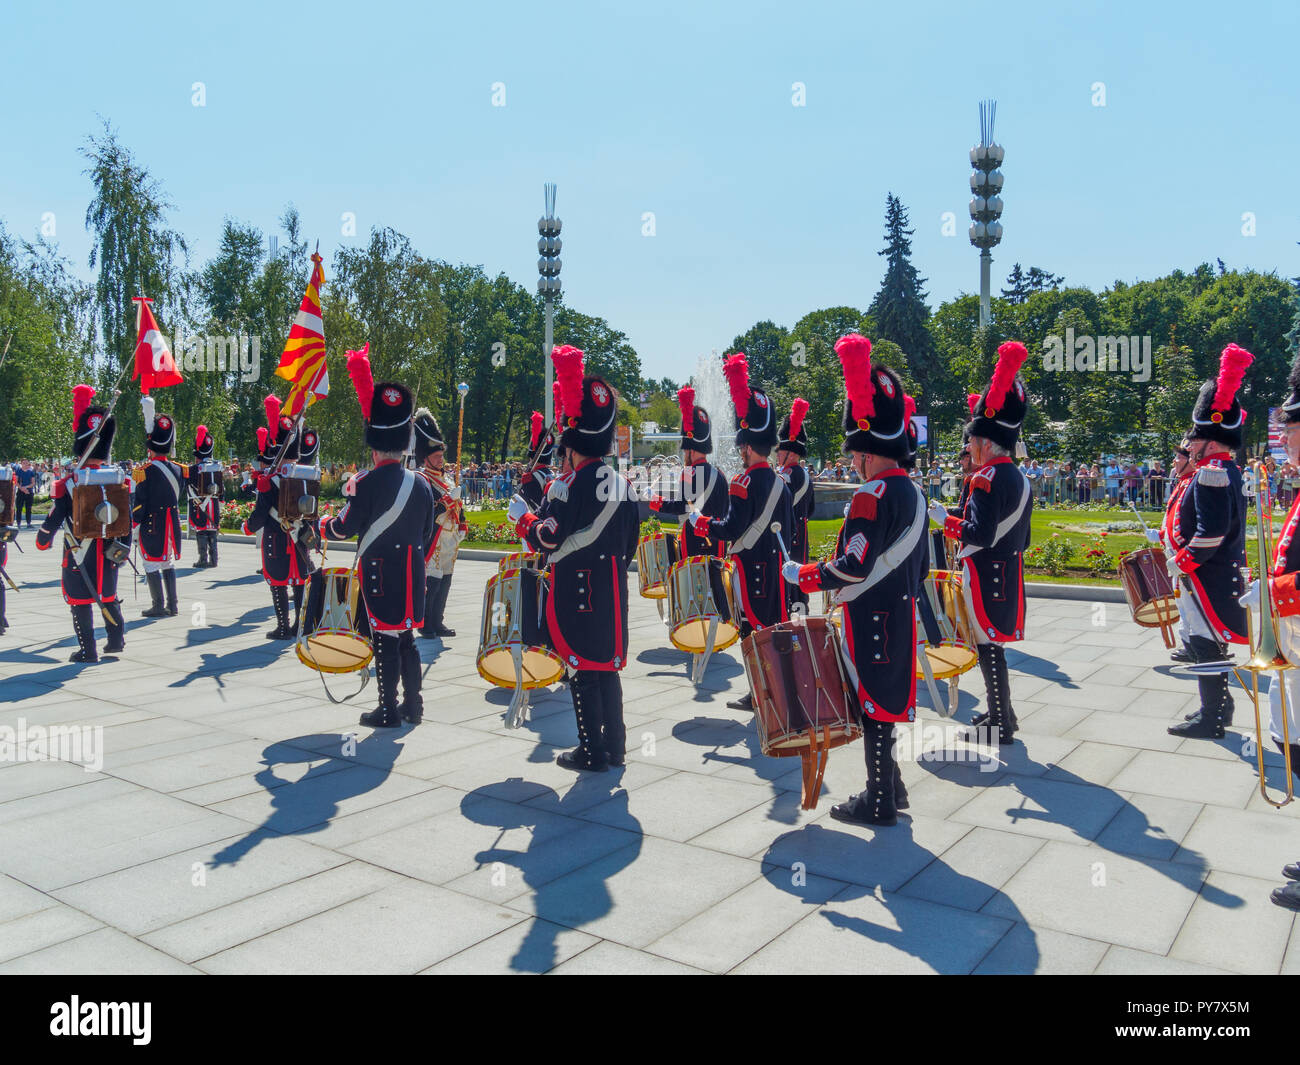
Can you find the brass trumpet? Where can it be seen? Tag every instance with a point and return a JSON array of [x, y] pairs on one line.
[[1265, 647]]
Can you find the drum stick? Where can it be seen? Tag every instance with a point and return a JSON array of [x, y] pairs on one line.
[[776, 528]]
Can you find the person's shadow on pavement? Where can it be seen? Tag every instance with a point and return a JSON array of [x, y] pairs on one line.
[[309, 804]]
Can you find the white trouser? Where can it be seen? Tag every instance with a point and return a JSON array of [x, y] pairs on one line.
[[1289, 633], [154, 567]]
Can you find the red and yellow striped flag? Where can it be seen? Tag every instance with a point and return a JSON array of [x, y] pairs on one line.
[[303, 361]]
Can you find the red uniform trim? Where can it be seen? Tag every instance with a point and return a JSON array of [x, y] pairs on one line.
[[1210, 615], [810, 577], [571, 658], [1286, 595], [952, 526], [977, 597]]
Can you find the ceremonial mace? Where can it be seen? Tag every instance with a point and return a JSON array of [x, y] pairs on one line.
[[462, 388]]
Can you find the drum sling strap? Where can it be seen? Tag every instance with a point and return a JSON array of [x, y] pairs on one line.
[[892, 557], [750, 536]]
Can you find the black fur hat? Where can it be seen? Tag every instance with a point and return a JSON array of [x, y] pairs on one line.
[[428, 437], [85, 420]]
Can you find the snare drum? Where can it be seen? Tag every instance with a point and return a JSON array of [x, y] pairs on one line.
[[655, 554], [520, 560], [802, 702], [511, 633], [701, 589], [330, 638], [1150, 591], [956, 651]]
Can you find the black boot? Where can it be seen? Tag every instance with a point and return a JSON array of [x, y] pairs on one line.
[[212, 549], [1181, 654], [611, 707], [297, 607], [280, 600], [878, 804], [430, 606], [1216, 703], [83, 624], [439, 629], [745, 702], [115, 625], [900, 790], [997, 687], [169, 584], [200, 539], [590, 752], [411, 708], [387, 673], [156, 608], [3, 623]]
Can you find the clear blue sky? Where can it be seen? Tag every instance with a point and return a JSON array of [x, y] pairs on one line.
[[762, 209]]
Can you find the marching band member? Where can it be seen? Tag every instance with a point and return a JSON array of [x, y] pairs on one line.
[[1286, 602], [4, 560], [994, 531], [541, 449], [791, 450], [155, 511], [89, 573], [286, 559], [1180, 472], [390, 510], [448, 521], [589, 531], [757, 497], [703, 485], [204, 508], [1208, 538], [881, 557]]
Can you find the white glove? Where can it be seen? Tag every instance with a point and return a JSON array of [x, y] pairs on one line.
[[1251, 596], [517, 509], [790, 571], [1175, 571], [1153, 536], [350, 486], [454, 494], [938, 512]]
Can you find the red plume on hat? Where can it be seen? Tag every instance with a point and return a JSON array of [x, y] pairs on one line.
[[798, 411], [272, 405], [568, 375], [363, 378], [736, 371], [854, 351], [81, 397], [909, 407], [1232, 368], [535, 434], [1011, 356], [686, 403], [262, 434], [972, 401], [557, 403], [199, 434]]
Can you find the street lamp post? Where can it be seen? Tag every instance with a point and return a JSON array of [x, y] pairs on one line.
[[548, 286], [986, 201]]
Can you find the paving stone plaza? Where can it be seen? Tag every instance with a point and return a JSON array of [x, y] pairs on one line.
[[240, 822]]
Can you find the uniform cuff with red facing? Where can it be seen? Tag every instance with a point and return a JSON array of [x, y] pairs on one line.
[[324, 534], [810, 577], [263, 483], [1286, 595], [524, 524], [245, 529], [1185, 561], [952, 527], [700, 527], [655, 502]]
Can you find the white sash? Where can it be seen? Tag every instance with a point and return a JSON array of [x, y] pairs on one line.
[[381, 524], [588, 536], [1006, 524], [892, 557], [750, 536]]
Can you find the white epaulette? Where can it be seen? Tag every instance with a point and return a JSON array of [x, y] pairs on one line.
[[1212, 476], [559, 488]]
